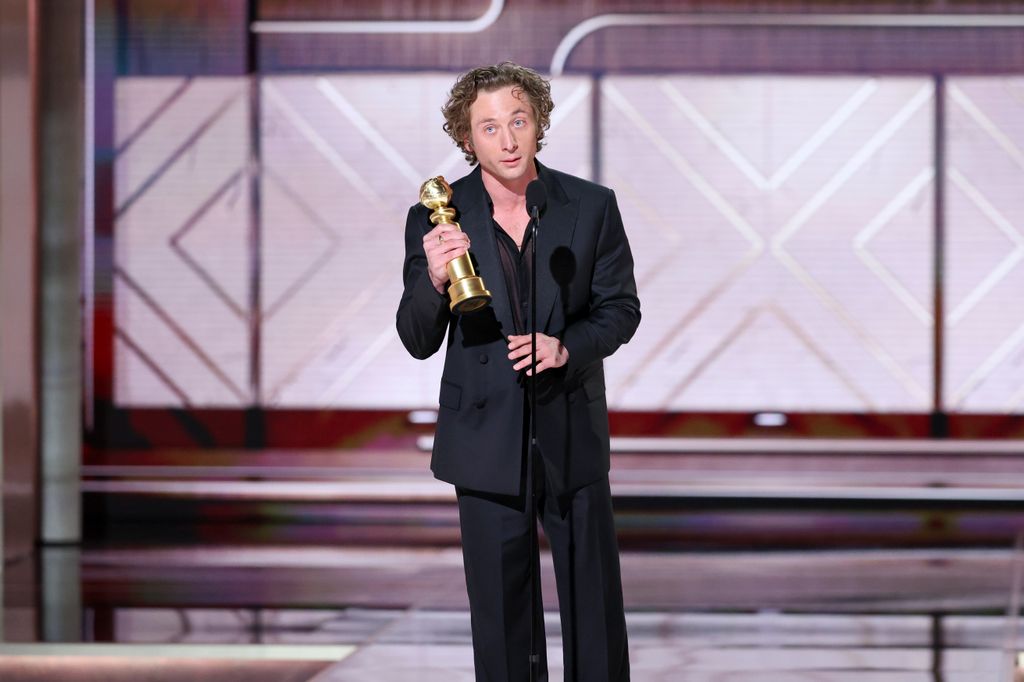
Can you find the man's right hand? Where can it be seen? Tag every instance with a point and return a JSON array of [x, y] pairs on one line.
[[441, 245]]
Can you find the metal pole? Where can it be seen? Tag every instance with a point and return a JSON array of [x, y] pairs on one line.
[[60, 219]]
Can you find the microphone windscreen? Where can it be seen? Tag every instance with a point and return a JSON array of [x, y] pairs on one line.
[[536, 196]]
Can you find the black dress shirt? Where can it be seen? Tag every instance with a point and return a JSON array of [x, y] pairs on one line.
[[516, 266]]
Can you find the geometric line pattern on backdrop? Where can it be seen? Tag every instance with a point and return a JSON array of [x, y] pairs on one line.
[[308, 131], [1002, 269], [204, 275], [180, 333], [333, 243], [1005, 266], [352, 308], [713, 196], [332, 395], [1004, 141], [154, 367], [172, 106], [1008, 263], [789, 165], [153, 117], [176, 155], [804, 214], [774, 205], [1003, 351], [318, 142], [380, 143], [874, 226], [732, 336]]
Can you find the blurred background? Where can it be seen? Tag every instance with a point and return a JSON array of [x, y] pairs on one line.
[[212, 434]]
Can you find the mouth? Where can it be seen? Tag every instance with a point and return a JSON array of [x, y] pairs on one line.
[[511, 162]]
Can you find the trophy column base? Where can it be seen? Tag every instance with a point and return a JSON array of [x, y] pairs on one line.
[[468, 295]]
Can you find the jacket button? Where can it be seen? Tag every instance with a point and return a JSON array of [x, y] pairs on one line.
[[483, 359], [479, 404]]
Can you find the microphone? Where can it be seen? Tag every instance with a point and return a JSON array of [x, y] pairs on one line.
[[536, 198]]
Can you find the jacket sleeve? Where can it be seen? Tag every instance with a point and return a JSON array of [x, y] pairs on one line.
[[423, 313], [614, 308]]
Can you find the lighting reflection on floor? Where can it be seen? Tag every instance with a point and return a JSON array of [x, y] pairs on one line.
[[895, 615]]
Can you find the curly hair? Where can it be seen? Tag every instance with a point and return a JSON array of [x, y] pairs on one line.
[[487, 79]]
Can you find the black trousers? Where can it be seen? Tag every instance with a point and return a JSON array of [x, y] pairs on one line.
[[495, 548]]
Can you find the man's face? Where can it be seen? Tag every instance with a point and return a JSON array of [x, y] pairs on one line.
[[503, 134]]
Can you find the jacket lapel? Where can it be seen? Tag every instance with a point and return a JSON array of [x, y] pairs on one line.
[[474, 217], [557, 224]]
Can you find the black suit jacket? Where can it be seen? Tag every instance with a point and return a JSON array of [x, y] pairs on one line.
[[586, 296]]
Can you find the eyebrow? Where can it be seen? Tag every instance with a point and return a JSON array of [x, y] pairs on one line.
[[492, 120]]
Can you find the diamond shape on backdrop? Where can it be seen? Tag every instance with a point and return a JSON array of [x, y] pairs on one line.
[[979, 251], [214, 243], [296, 242], [902, 234]]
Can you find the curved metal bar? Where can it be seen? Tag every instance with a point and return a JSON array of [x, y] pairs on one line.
[[477, 25], [580, 31]]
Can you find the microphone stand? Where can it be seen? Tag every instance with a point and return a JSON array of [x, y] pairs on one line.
[[534, 450]]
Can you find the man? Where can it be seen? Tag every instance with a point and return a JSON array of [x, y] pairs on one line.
[[586, 308]]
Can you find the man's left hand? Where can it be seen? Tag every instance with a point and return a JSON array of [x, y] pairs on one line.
[[550, 352]]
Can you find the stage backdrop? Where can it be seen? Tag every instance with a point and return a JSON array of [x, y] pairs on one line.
[[784, 220]]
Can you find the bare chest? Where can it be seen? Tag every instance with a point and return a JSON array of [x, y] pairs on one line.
[[513, 223]]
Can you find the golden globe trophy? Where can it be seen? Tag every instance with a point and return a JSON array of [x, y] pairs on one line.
[[467, 291]]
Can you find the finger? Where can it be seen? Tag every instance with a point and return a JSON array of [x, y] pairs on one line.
[[446, 251], [452, 254], [456, 243], [520, 353], [528, 362], [541, 366], [442, 234], [517, 341], [525, 359], [447, 233], [459, 238]]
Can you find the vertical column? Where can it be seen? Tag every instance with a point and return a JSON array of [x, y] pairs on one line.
[[255, 429], [596, 132], [18, 394], [939, 420], [60, 96], [60, 223]]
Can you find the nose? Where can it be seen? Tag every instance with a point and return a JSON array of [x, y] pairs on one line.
[[508, 143]]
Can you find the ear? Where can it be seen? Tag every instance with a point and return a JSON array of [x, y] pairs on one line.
[[467, 145]]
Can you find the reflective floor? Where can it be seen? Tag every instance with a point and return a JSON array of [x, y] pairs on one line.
[[390, 614], [770, 562]]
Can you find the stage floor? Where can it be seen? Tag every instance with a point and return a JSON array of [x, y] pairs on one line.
[[768, 561], [399, 614]]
